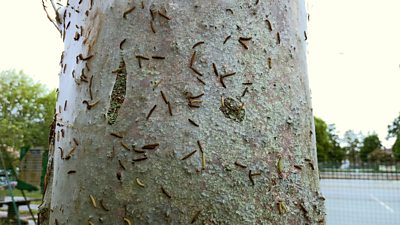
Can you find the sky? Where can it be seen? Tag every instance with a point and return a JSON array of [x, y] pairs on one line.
[[353, 62], [353, 57]]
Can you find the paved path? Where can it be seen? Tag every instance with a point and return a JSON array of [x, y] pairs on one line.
[[361, 202], [355, 202], [21, 208]]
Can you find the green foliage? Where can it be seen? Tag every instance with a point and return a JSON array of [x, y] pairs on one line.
[[26, 111], [394, 132], [322, 139], [328, 148], [45, 160], [9, 159], [396, 148], [370, 143], [336, 153], [394, 128]]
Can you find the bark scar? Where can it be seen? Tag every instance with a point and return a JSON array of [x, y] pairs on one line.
[[118, 93], [233, 109]]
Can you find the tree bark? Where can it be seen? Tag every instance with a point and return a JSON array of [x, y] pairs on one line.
[[184, 112]]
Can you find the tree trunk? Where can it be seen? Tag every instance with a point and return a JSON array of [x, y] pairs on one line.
[[184, 112]]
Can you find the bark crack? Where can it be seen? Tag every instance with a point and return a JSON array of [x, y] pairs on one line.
[[118, 92]]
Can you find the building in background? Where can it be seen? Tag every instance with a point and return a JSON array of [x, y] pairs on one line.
[[31, 166]]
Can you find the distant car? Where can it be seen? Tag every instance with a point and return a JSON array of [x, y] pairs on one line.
[[13, 184], [3, 172], [4, 183]]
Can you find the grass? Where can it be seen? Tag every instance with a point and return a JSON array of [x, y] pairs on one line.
[[4, 221], [16, 192]]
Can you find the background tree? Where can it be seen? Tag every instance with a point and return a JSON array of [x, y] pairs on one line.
[[183, 112], [328, 146], [26, 111], [322, 139], [394, 132], [380, 155], [336, 154], [10, 160], [369, 144], [396, 149], [352, 144], [394, 128]]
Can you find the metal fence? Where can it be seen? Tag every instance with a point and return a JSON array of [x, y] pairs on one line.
[[365, 194]]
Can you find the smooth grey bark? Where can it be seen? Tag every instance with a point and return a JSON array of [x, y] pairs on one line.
[[156, 127]]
